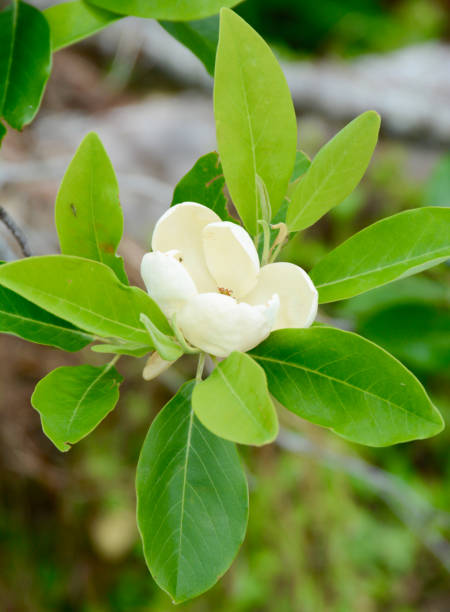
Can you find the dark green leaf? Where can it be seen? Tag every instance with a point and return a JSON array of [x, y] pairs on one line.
[[234, 403], [25, 62], [73, 400], [2, 132], [22, 318], [395, 247], [86, 293], [88, 215], [173, 10], [72, 21], [255, 119], [192, 501], [200, 37], [302, 163], [204, 183], [418, 334], [342, 381]]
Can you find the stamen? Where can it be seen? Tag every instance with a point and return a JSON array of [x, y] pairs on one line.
[[225, 291]]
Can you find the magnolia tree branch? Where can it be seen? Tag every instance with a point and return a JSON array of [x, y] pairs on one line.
[[410, 507], [16, 232]]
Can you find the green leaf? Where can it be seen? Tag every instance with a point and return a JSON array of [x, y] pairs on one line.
[[173, 10], [192, 501], [131, 349], [334, 172], [73, 400], [2, 132], [255, 118], [234, 403], [204, 183], [200, 37], [437, 189], [88, 215], [72, 21], [395, 247], [86, 293], [25, 62], [342, 381], [167, 348], [301, 165], [24, 319]]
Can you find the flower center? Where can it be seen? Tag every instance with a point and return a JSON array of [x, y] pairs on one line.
[[225, 291]]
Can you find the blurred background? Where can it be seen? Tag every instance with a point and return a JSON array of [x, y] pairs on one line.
[[333, 526]]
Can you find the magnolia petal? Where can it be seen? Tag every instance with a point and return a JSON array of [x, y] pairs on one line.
[[167, 281], [298, 296], [219, 325], [155, 366], [231, 257], [181, 228]]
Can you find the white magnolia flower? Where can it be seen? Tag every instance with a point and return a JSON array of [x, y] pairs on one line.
[[206, 273]]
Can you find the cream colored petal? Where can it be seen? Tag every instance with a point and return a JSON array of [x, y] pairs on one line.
[[218, 324], [298, 296], [167, 280], [180, 228], [155, 366], [231, 257]]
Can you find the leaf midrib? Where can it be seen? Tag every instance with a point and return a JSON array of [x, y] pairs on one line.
[[381, 268], [342, 382], [45, 324], [105, 370]]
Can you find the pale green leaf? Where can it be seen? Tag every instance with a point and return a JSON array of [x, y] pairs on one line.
[[131, 349], [395, 247], [72, 21], [25, 62], [88, 215], [255, 118], [73, 400], [342, 381], [173, 10], [165, 346], [334, 172], [234, 403], [192, 501], [86, 293]]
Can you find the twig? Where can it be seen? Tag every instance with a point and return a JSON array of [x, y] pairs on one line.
[[15, 230], [416, 512]]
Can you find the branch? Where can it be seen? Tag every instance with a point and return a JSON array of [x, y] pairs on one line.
[[15, 231]]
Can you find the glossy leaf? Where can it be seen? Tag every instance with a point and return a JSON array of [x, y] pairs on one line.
[[72, 21], [234, 403], [24, 319], [342, 381], [25, 62], [174, 10], [334, 172], [255, 118], [166, 348], [73, 400], [395, 247], [88, 215], [192, 501], [200, 37], [84, 292], [204, 183]]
